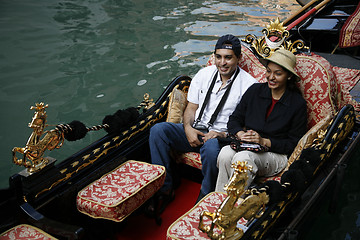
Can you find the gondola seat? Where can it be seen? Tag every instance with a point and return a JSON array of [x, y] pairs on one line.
[[120, 192], [323, 98], [26, 232]]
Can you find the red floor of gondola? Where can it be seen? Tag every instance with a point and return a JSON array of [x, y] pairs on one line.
[[141, 227]]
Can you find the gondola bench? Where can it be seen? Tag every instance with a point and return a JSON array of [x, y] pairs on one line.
[[322, 93], [119, 193], [318, 85]]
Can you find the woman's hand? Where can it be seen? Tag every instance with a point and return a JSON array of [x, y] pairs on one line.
[[253, 136], [213, 134], [250, 136]]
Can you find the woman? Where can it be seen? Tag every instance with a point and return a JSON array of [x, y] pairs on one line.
[[272, 114]]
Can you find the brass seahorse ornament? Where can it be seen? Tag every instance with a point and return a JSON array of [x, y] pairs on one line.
[[35, 147]]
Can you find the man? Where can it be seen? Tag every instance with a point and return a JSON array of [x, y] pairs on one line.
[[185, 137]]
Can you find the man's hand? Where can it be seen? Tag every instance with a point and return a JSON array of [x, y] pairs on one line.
[[192, 136]]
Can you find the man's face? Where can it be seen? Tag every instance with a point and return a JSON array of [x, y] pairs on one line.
[[226, 62]]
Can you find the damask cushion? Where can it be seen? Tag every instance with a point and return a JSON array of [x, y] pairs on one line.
[[252, 65], [117, 194], [25, 232], [319, 86], [347, 79], [186, 227], [176, 107], [190, 158]]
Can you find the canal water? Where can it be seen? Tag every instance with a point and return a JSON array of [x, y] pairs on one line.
[[87, 59]]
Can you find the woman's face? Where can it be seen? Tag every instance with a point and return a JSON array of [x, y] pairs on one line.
[[277, 77]]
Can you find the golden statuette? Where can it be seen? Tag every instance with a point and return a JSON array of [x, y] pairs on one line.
[[32, 153], [224, 219]]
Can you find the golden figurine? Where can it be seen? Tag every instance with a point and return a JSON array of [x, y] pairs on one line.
[[35, 147], [225, 218]]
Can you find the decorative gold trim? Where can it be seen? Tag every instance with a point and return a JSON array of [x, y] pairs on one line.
[[274, 37]]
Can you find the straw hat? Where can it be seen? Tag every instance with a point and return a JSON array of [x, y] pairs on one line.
[[284, 58]]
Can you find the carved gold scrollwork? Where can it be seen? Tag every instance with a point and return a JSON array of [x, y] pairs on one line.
[[274, 36]]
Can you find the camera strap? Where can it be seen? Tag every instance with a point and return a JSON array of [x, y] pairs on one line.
[[222, 101]]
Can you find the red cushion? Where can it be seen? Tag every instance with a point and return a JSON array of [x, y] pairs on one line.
[[25, 232], [347, 79], [190, 158], [319, 86], [120, 192], [252, 65]]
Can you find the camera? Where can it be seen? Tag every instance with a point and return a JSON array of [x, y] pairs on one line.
[[202, 128]]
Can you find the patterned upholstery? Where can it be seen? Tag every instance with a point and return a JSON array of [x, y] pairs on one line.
[[186, 227], [120, 192], [319, 86], [190, 158], [347, 79], [25, 232], [350, 31]]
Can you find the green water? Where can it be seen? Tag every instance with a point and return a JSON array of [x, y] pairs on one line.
[[87, 59]]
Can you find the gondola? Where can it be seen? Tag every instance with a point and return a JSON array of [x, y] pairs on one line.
[[47, 196]]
